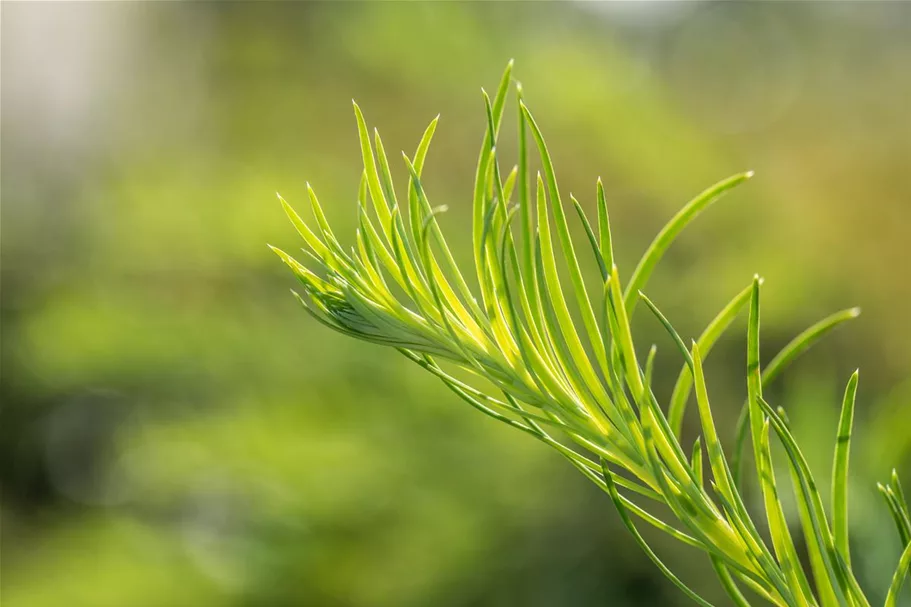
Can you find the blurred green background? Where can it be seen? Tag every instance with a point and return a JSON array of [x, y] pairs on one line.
[[175, 431]]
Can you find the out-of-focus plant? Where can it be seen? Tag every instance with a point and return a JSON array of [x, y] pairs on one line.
[[584, 389]]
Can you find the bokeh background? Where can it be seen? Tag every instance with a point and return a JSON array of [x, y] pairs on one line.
[[175, 431]]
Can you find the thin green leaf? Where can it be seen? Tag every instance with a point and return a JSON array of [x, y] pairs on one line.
[[706, 342], [832, 583], [900, 496], [528, 262], [479, 202], [696, 461], [720, 470], [607, 248], [778, 525], [666, 236], [754, 381], [898, 578], [592, 239], [802, 342], [385, 173], [669, 328], [625, 336], [728, 583], [628, 523], [840, 470], [899, 512], [797, 346], [383, 212], [309, 237]]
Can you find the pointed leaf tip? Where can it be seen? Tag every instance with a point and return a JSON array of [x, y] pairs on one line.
[[855, 312], [749, 174]]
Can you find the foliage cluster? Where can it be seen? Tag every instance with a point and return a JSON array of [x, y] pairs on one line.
[[563, 367]]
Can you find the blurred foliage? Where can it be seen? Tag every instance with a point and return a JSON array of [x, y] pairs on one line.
[[176, 432]]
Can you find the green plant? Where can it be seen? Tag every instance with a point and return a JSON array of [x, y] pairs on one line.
[[400, 286]]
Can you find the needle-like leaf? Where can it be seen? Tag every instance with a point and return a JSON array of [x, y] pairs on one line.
[[794, 348], [706, 341], [840, 470], [666, 236]]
